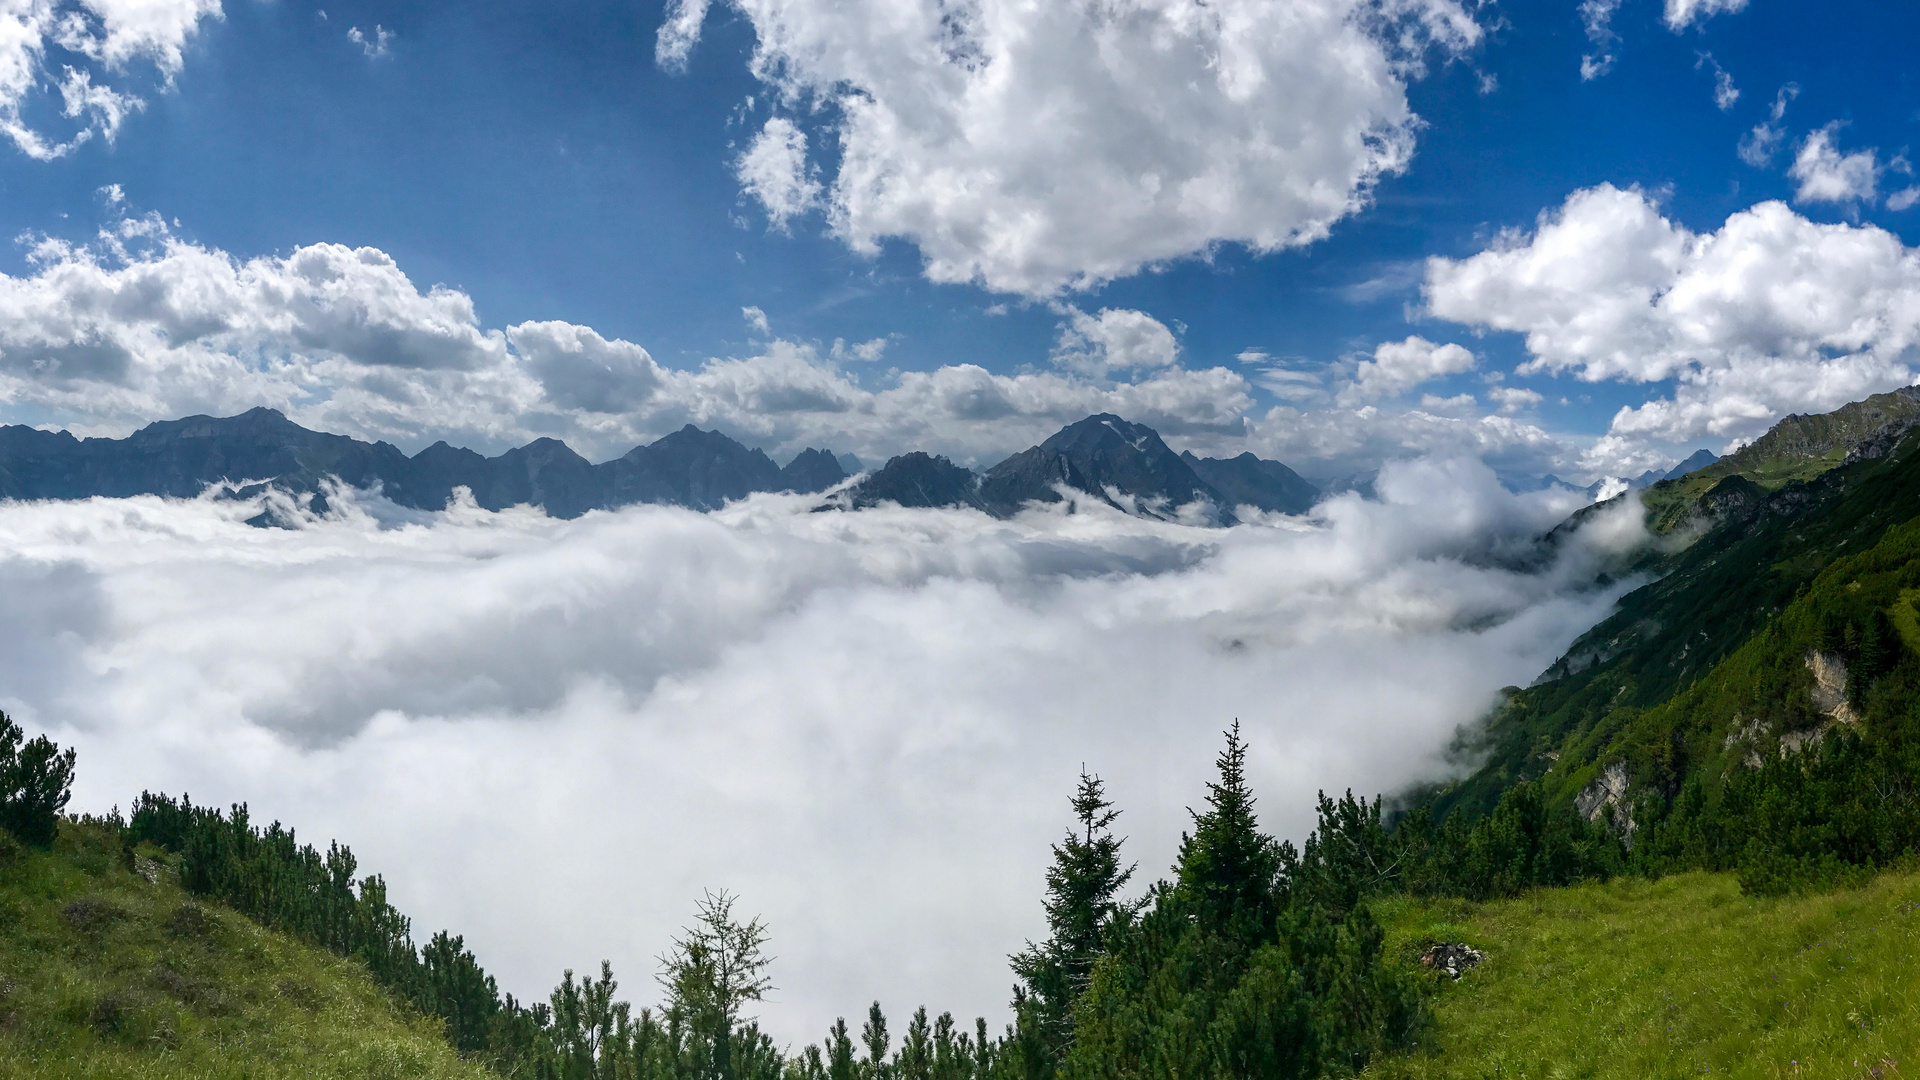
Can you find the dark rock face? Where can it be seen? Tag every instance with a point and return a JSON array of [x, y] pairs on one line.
[[917, 480], [700, 469], [813, 470], [1252, 481], [179, 458], [1097, 454], [1452, 958]]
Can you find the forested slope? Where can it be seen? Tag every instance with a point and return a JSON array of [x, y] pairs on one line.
[[1731, 562]]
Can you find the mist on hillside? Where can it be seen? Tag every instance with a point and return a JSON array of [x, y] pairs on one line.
[[551, 736]]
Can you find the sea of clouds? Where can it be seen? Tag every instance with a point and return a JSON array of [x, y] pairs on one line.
[[551, 736]]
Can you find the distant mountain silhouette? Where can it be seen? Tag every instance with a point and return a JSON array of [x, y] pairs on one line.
[[1253, 481], [1114, 460], [1110, 459], [179, 458], [917, 480]]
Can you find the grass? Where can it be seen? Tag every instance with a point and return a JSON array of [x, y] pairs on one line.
[[106, 974], [1679, 977]]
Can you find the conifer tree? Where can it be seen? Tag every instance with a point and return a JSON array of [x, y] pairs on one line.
[[840, 1065], [1083, 887], [1227, 868], [874, 1035], [715, 967], [36, 780]]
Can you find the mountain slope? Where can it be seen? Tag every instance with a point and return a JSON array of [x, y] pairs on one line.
[[1756, 551], [1252, 481], [105, 974], [1109, 458], [1797, 448]]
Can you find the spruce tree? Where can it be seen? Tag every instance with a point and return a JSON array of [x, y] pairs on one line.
[[1229, 871], [1083, 887]]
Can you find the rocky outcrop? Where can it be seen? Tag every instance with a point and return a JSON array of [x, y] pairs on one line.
[[1608, 792], [1830, 686], [1452, 958]]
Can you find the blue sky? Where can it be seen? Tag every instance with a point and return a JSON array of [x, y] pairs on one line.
[[540, 161]]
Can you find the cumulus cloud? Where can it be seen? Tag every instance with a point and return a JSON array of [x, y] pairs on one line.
[[1770, 314], [71, 44], [1824, 174], [1114, 340], [1757, 147], [1035, 148], [865, 724], [1513, 399], [773, 169], [142, 325], [1399, 366], [1341, 441]]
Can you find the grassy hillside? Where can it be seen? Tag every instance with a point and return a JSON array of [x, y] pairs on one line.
[[1679, 977], [104, 973]]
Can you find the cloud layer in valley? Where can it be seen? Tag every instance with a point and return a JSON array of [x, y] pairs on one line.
[[1032, 148], [552, 735]]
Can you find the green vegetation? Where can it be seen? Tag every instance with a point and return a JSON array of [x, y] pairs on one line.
[[1798, 448], [105, 974], [1684, 976]]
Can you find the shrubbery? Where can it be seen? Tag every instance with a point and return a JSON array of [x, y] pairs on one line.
[[36, 779]]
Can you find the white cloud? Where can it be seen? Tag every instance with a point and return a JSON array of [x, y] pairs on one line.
[[109, 35], [1513, 399], [375, 45], [773, 169], [1725, 94], [1335, 441], [1596, 17], [1903, 199], [1034, 148], [1684, 13], [865, 724], [679, 33], [1114, 340], [1770, 314], [858, 352], [1757, 147], [1399, 366], [1826, 175], [143, 325], [756, 320]]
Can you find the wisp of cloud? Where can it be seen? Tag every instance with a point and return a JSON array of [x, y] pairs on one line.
[[550, 736]]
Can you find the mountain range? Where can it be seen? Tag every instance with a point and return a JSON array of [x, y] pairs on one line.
[[1118, 462], [179, 458], [1122, 463]]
